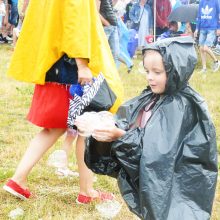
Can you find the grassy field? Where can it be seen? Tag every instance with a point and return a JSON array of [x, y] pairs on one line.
[[55, 196]]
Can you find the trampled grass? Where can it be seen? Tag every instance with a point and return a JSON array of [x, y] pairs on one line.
[[56, 197]]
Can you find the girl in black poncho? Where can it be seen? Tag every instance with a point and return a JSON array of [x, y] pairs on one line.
[[163, 149]]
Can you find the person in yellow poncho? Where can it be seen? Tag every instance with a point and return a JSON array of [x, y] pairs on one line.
[[50, 30]]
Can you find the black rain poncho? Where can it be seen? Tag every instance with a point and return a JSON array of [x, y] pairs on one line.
[[168, 169]]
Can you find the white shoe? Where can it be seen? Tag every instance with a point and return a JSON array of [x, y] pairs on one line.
[[65, 172], [9, 38], [216, 66], [203, 70]]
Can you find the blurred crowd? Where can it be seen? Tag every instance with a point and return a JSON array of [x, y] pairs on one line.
[[140, 22], [131, 25], [11, 20]]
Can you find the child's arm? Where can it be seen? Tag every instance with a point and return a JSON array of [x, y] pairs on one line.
[[108, 135]]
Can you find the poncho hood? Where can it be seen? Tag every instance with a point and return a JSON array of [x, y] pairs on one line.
[[179, 64]]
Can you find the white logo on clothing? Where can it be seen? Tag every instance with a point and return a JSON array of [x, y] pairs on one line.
[[206, 11]]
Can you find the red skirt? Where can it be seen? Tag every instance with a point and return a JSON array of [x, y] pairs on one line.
[[50, 104]]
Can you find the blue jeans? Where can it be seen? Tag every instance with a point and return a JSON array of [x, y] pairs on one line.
[[207, 37], [14, 16], [113, 40]]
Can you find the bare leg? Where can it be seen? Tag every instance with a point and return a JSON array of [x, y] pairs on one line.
[[38, 146], [67, 145], [85, 175], [14, 37], [203, 57], [209, 51]]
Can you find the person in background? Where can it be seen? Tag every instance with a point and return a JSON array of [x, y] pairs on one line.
[[172, 31], [2, 14], [13, 16], [123, 33], [142, 16], [16, 32], [163, 9], [127, 19], [24, 8], [17, 29], [5, 26], [124, 56], [109, 22], [208, 26]]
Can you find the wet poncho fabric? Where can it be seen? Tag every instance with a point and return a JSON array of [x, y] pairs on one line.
[[167, 170], [54, 28]]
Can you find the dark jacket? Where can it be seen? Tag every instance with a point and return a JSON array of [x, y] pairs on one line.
[[167, 170], [107, 11]]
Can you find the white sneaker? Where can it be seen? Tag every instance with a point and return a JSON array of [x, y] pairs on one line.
[[203, 70], [65, 172], [216, 66], [9, 38]]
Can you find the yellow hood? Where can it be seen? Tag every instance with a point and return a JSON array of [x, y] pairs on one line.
[[54, 27]]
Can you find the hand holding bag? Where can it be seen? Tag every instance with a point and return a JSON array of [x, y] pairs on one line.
[[96, 97]]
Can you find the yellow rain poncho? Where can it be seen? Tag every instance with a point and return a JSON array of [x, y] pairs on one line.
[[54, 27]]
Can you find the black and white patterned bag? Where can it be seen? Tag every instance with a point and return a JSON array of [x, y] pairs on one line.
[[96, 97]]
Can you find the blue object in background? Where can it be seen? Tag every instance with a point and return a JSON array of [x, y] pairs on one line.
[[124, 55], [133, 42]]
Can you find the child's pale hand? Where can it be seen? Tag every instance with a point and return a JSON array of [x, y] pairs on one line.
[[108, 135]]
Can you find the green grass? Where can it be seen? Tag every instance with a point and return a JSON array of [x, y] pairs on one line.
[[56, 197]]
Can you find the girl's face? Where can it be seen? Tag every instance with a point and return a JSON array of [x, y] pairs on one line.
[[156, 74]]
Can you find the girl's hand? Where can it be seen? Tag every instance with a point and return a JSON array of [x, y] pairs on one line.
[[84, 73], [108, 135]]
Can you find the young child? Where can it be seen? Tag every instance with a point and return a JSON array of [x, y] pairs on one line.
[[163, 149]]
